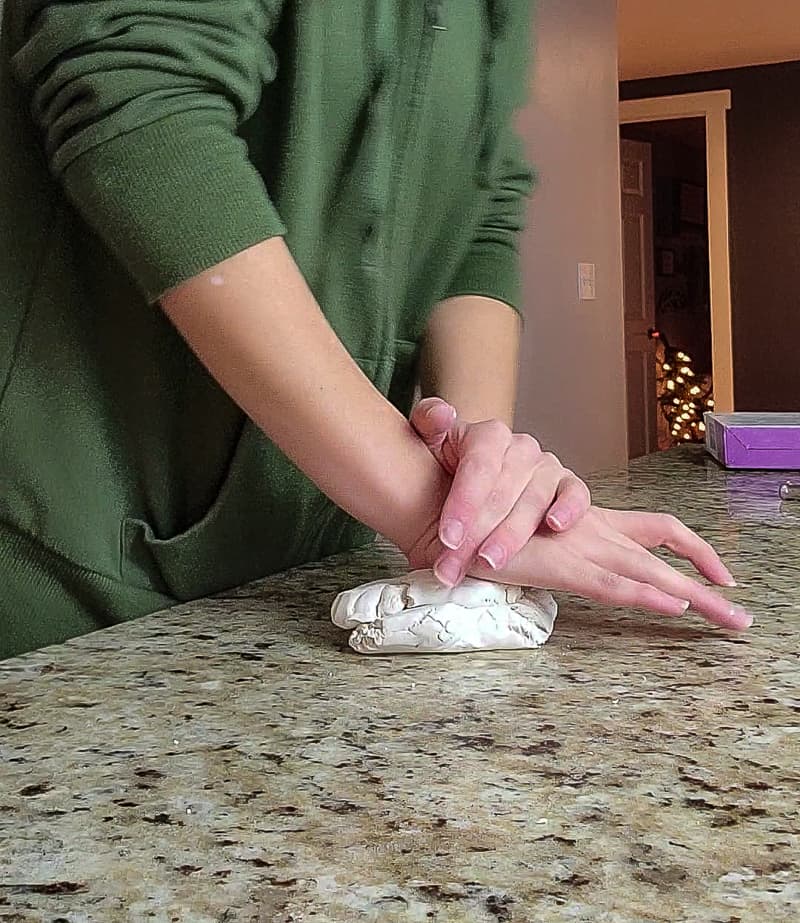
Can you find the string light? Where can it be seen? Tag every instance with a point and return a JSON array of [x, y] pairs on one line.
[[682, 397]]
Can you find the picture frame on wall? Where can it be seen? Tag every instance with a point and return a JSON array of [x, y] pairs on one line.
[[692, 204], [666, 262]]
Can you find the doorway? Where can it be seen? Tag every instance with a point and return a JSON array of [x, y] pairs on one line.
[[667, 294], [676, 266]]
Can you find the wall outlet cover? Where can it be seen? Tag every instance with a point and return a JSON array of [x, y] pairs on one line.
[[587, 281]]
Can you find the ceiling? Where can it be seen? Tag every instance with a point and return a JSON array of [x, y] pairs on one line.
[[659, 37]]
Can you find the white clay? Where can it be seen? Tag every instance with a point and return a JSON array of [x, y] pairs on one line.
[[417, 613]]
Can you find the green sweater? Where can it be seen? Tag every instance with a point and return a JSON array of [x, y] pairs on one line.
[[143, 142]]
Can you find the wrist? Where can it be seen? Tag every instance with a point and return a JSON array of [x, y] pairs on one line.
[[411, 494]]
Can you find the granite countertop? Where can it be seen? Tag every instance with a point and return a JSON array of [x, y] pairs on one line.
[[232, 760]]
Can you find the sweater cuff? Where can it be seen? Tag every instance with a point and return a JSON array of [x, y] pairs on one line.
[[172, 198], [491, 271]]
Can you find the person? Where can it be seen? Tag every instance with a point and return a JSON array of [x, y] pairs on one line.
[[236, 236]]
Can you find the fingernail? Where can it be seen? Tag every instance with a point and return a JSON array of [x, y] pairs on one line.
[[493, 555], [681, 607], [452, 533], [434, 405], [447, 571], [741, 615], [555, 522]]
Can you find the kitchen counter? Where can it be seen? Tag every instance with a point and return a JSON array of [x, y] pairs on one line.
[[232, 760]]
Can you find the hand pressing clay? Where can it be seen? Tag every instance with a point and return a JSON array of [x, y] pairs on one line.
[[415, 613]]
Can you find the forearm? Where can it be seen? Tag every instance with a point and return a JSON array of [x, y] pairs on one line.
[[470, 356], [255, 325]]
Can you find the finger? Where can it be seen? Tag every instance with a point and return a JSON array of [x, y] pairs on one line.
[[449, 569], [547, 562], [509, 532], [658, 530], [571, 504], [432, 419], [481, 456], [636, 563], [613, 589]]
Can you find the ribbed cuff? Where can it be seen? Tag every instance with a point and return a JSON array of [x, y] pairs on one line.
[[172, 198], [490, 270]]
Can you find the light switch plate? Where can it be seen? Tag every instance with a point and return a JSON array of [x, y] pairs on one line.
[[587, 282]]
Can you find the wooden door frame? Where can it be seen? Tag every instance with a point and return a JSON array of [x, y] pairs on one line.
[[713, 107]]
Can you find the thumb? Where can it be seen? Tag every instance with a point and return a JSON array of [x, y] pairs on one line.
[[432, 419]]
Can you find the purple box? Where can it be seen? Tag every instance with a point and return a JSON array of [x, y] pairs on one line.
[[754, 440]]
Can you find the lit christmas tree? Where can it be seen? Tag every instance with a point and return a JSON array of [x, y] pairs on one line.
[[682, 396]]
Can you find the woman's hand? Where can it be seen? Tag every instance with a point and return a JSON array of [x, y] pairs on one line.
[[504, 487], [605, 557]]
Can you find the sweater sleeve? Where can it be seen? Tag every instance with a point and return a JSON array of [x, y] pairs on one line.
[[491, 264], [138, 103]]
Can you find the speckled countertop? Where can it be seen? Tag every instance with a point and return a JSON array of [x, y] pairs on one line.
[[231, 760]]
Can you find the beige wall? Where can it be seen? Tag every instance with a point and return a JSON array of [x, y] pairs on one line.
[[572, 380]]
